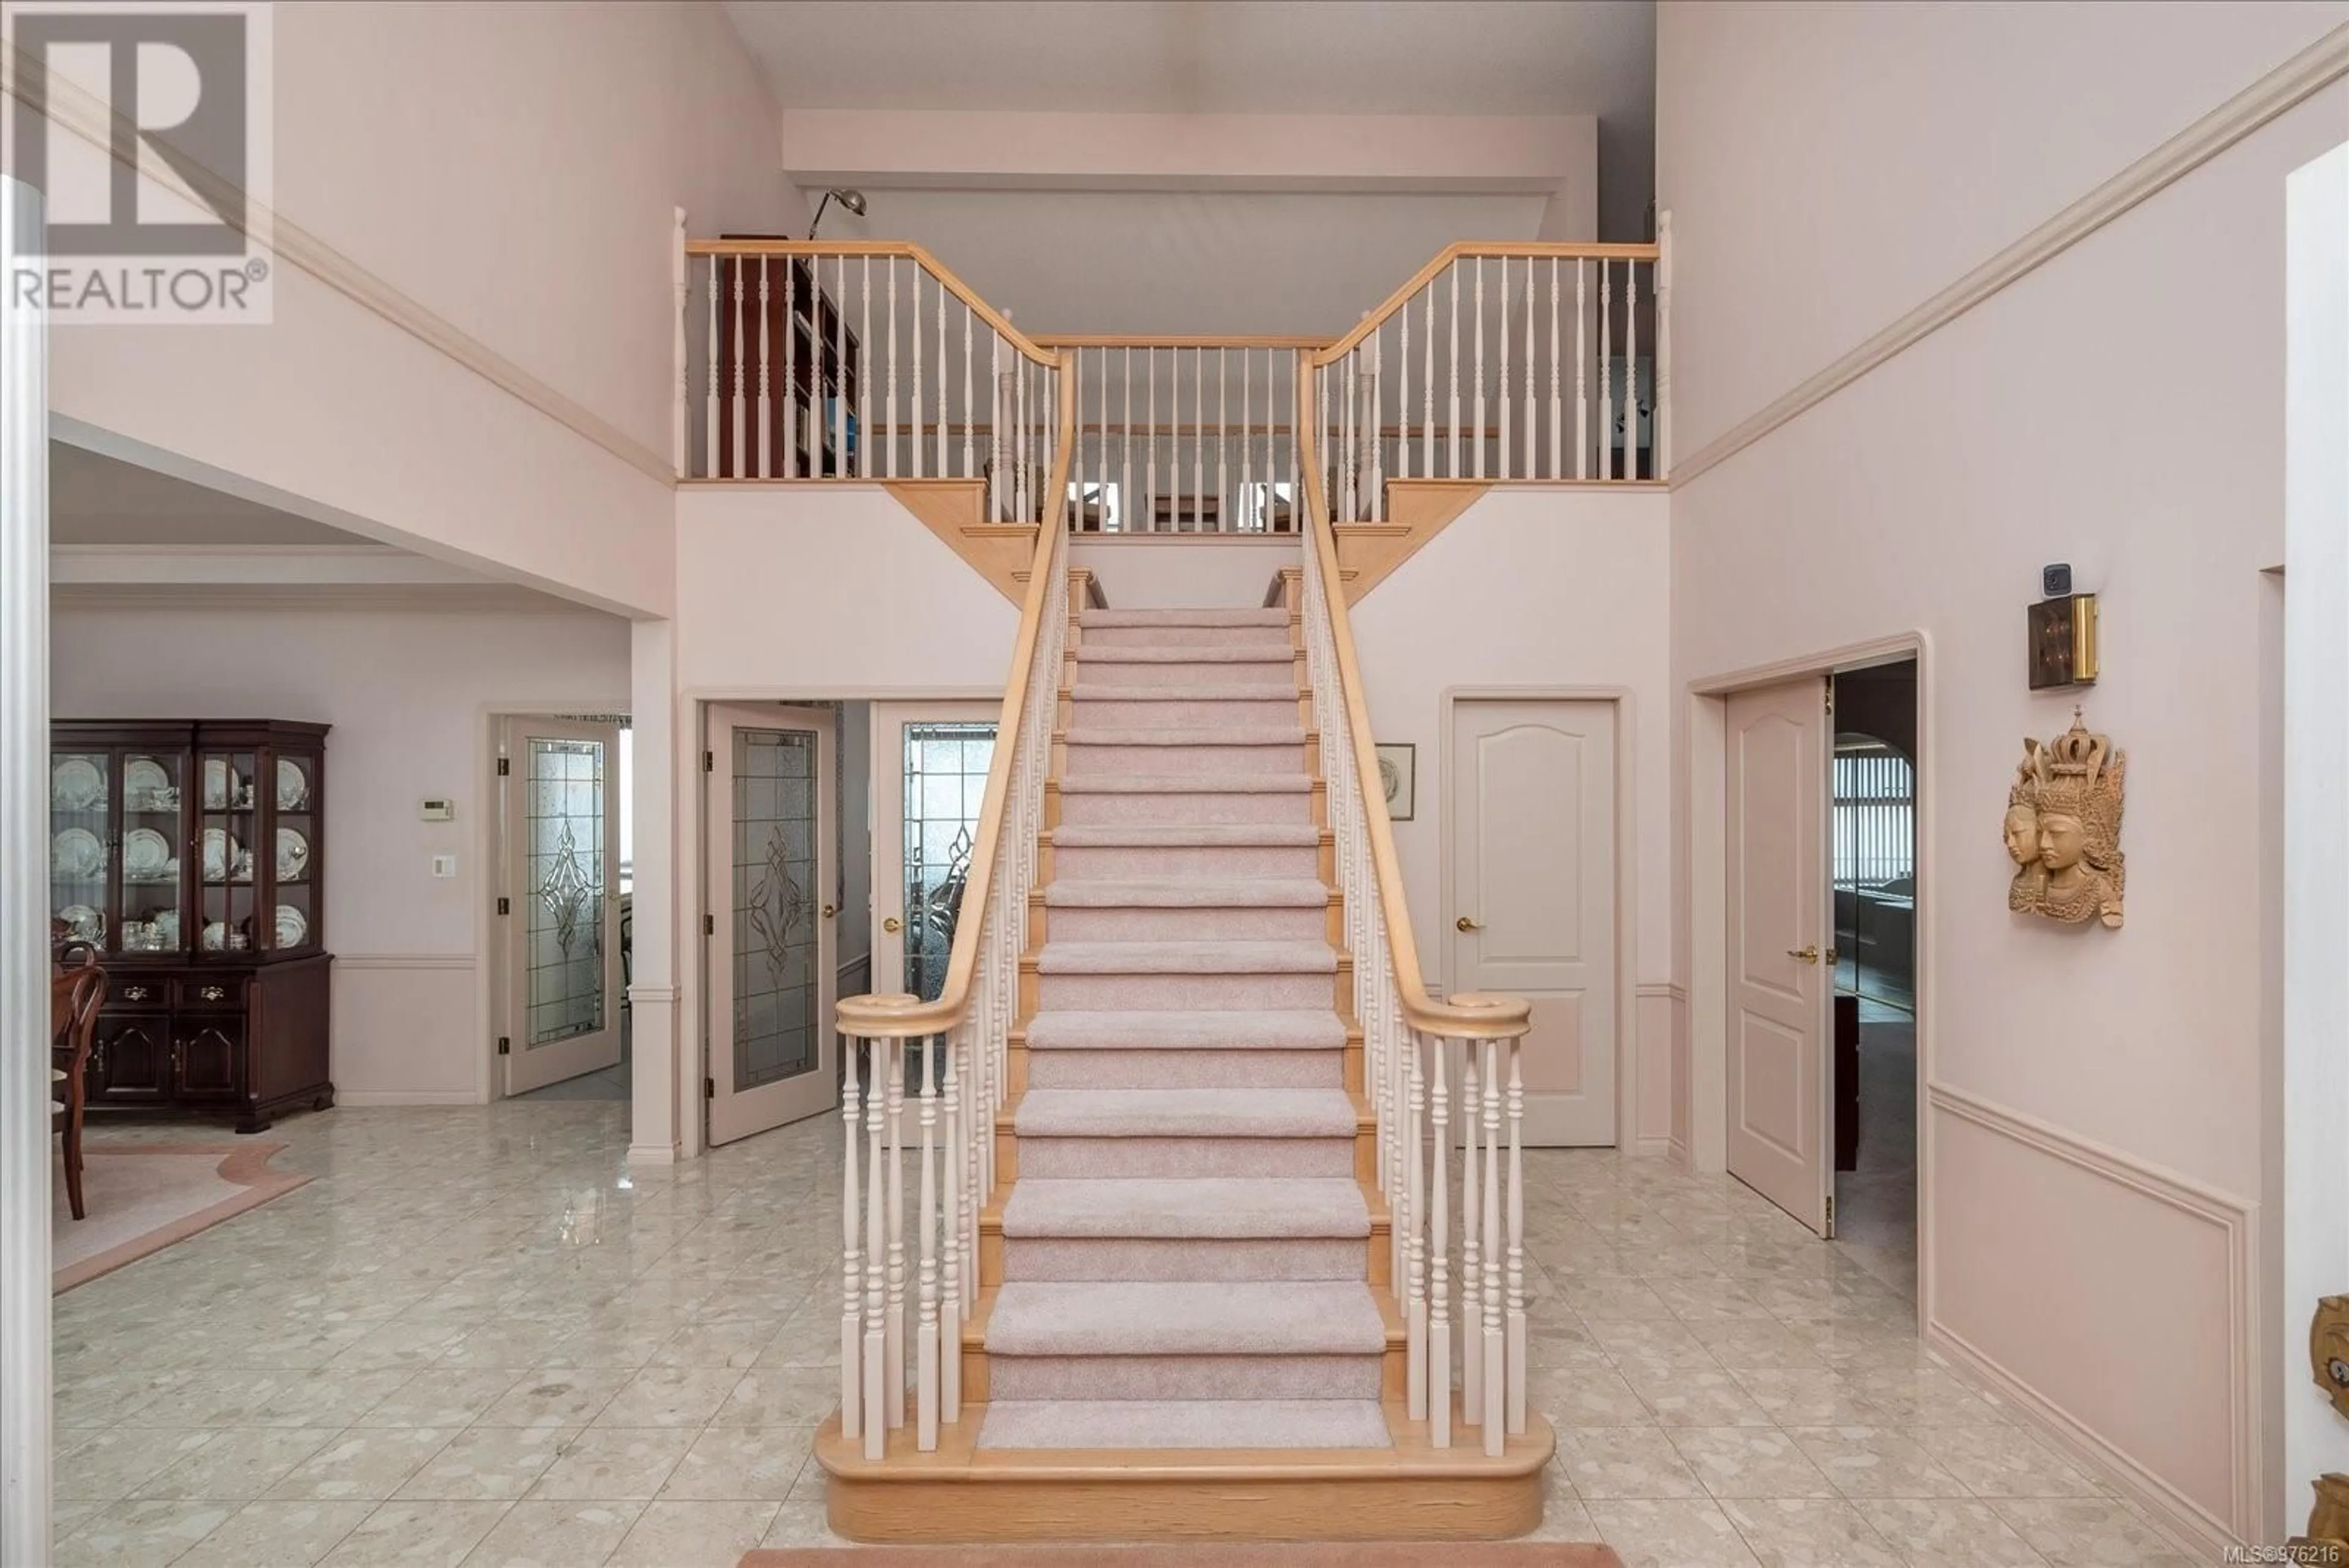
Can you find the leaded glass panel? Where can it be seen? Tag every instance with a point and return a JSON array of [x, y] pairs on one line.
[[565, 820], [946, 785], [775, 905]]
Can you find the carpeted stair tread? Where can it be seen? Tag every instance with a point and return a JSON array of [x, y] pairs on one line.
[[1247, 1113], [1185, 1424], [1186, 784], [1187, 736], [1186, 1030], [1197, 1207], [1182, 617], [1186, 653], [1184, 834], [1185, 692], [1188, 958], [1153, 1317], [1187, 893]]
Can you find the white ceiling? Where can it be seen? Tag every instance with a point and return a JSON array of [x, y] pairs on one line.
[[97, 499], [1204, 261]]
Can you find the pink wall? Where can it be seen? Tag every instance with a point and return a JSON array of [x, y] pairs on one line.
[[2120, 408]]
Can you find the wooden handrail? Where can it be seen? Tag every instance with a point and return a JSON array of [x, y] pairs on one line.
[[1466, 1017], [907, 248], [901, 1017], [1511, 249], [1177, 340]]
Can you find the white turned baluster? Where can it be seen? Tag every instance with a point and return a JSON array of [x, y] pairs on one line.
[[1247, 442], [1295, 456], [1344, 444], [852, 1259], [1125, 450], [1631, 369], [1494, 1417], [1416, 1223], [1478, 472], [998, 503], [766, 411], [839, 367], [943, 471], [1402, 395], [1531, 467], [970, 408], [893, 1320], [875, 1357], [914, 405], [1581, 369], [1472, 1251], [865, 374], [1439, 1256], [1427, 388], [1377, 422], [1516, 1315], [1606, 370], [1457, 471], [790, 368], [889, 396], [1198, 440], [1556, 453], [1021, 457], [1501, 462], [926, 1327], [680, 413], [709, 424], [738, 411], [949, 1335], [1222, 402], [1150, 479]]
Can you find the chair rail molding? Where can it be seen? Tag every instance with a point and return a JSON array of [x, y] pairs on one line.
[[2274, 94], [2237, 1220]]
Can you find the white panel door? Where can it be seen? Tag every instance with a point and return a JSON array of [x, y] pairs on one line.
[[1776, 950], [769, 891], [929, 781], [560, 911], [1533, 887]]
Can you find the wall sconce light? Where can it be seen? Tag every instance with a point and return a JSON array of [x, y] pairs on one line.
[[852, 200], [2062, 635]]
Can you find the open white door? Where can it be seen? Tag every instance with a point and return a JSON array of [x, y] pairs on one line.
[[1780, 967], [560, 910], [773, 826], [929, 782]]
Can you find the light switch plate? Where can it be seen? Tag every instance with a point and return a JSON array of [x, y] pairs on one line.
[[444, 866], [437, 810]]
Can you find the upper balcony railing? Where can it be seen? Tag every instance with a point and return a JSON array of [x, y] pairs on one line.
[[855, 359]]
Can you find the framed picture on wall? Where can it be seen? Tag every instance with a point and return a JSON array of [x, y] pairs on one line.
[[1399, 772]]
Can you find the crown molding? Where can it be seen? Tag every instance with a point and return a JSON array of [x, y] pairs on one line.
[[75, 110], [2278, 92]]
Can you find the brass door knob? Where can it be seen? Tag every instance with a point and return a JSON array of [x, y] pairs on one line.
[[830, 910], [892, 925], [1464, 924], [1808, 952]]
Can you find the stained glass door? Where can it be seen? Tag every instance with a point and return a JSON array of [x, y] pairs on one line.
[[771, 888], [559, 906], [930, 762]]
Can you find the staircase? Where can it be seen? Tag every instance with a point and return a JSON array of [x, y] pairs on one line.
[[1185, 1250]]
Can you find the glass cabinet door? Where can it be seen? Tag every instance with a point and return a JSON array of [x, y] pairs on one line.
[[290, 860], [82, 791], [149, 905], [227, 825]]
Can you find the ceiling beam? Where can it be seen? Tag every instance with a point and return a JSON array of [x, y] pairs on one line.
[[1016, 151]]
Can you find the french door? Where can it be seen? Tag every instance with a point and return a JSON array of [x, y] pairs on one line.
[[929, 781], [560, 909], [770, 891], [1781, 967]]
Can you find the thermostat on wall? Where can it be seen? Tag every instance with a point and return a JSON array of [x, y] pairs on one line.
[[438, 810]]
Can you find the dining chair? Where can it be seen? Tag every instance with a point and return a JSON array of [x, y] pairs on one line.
[[75, 996]]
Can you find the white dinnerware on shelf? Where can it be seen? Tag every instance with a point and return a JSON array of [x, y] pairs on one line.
[[293, 785], [86, 923], [75, 784], [76, 854], [221, 857], [224, 790], [292, 928], [146, 856], [215, 938], [292, 855], [145, 784]]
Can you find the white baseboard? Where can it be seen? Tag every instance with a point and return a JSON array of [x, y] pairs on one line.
[[648, 1154], [1652, 1147], [363, 1099]]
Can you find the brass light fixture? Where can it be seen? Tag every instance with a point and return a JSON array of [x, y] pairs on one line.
[[854, 201]]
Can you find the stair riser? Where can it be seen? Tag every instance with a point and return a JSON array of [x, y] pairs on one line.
[[1300, 1259], [1046, 1157], [1185, 712], [1183, 1377], [1272, 639], [1086, 759], [1231, 673], [1086, 809], [1194, 992], [1187, 1069], [1295, 861], [1253, 923]]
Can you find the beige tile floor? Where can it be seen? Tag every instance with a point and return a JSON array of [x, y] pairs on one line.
[[476, 1340]]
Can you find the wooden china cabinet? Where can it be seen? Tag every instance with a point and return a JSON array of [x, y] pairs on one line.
[[192, 855]]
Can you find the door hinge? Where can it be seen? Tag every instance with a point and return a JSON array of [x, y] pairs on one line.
[[1830, 1213], [708, 1088], [505, 906], [505, 1045], [506, 766], [709, 762], [1829, 685], [709, 924]]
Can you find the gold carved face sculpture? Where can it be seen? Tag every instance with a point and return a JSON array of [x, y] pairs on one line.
[[2064, 828]]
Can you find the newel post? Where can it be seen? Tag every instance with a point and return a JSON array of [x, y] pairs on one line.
[[681, 277], [1664, 432]]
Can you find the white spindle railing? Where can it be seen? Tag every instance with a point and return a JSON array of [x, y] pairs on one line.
[[796, 346], [1414, 1050], [949, 1057], [1225, 458], [1514, 341]]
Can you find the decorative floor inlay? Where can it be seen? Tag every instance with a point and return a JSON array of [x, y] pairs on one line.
[[141, 1196], [476, 1338]]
